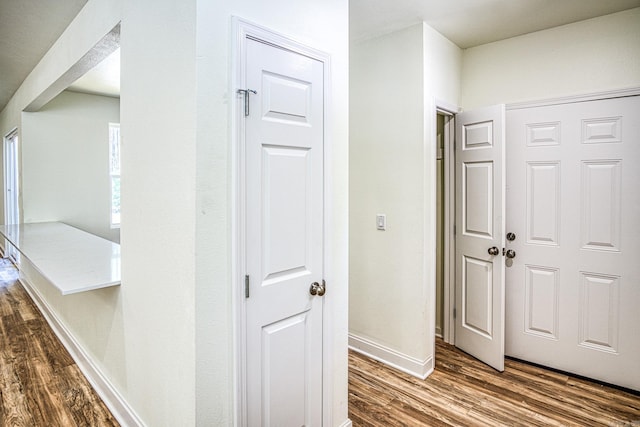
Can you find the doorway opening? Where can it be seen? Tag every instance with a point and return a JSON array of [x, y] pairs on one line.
[[445, 222], [11, 190]]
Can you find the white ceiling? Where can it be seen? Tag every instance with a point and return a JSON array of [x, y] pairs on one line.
[[28, 28], [103, 79], [470, 23]]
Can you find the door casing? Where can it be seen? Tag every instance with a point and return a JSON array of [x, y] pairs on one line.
[[242, 30], [11, 175], [449, 112]]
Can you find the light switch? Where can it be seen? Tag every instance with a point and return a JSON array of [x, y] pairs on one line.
[[381, 222]]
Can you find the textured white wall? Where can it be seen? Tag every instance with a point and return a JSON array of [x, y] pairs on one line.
[[65, 162], [395, 80], [387, 302], [158, 122], [595, 55]]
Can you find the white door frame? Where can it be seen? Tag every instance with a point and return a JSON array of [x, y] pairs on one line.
[[9, 250], [449, 111], [242, 30]]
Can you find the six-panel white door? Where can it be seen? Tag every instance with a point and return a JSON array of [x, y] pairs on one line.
[[479, 323], [573, 290], [284, 232]]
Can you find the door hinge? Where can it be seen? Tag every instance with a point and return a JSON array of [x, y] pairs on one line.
[[454, 312], [454, 229], [246, 286]]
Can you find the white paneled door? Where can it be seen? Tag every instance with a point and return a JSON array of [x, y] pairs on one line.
[[573, 290], [479, 323], [284, 236]]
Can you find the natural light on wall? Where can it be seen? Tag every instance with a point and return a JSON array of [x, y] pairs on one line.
[[114, 172]]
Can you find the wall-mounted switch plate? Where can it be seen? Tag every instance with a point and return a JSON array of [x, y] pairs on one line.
[[381, 222]]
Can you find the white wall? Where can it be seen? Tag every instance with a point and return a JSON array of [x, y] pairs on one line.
[[65, 162], [395, 79], [387, 300], [590, 56]]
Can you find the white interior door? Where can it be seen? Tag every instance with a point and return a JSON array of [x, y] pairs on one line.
[[11, 207], [573, 292], [479, 153], [284, 236]]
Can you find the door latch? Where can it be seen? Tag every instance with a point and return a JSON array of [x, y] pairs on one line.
[[246, 93]]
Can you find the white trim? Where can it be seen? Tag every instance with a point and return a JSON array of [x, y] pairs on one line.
[[347, 423], [429, 239], [118, 406], [402, 362], [448, 110], [11, 251], [449, 273], [241, 30], [596, 96], [444, 107]]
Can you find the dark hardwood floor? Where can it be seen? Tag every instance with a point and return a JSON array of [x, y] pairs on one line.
[[40, 385], [465, 392]]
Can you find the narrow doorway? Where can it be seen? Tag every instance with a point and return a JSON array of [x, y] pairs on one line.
[[11, 190], [445, 220], [439, 225]]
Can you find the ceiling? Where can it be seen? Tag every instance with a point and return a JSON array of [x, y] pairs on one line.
[[103, 79], [28, 28], [470, 23]]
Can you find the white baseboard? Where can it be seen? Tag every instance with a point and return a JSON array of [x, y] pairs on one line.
[[119, 408], [410, 365], [347, 423]]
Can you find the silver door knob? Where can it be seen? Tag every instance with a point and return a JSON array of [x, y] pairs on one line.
[[511, 253], [493, 251], [317, 289]]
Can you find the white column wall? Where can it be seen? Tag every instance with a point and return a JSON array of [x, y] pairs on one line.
[[396, 81], [388, 302]]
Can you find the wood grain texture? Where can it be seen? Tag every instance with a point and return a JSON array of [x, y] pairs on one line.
[[464, 392], [40, 384]]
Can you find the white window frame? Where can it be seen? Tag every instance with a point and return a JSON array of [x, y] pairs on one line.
[[114, 170]]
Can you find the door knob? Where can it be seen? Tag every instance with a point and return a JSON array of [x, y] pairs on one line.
[[511, 253], [317, 289], [511, 237], [493, 251]]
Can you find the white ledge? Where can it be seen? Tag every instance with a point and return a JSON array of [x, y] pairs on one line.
[[71, 259]]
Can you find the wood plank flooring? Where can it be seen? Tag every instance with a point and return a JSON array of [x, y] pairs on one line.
[[465, 392], [40, 384]]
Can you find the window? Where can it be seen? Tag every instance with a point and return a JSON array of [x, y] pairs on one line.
[[114, 172]]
